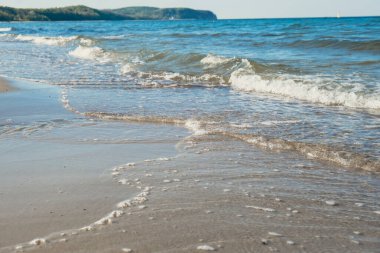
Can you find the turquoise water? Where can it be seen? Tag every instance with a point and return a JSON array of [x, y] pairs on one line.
[[303, 85]]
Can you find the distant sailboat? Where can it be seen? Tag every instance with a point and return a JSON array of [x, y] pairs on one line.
[[337, 14]]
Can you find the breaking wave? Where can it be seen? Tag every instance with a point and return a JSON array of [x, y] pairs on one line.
[[241, 75], [310, 89], [50, 41], [91, 53], [200, 128], [5, 29], [214, 60]]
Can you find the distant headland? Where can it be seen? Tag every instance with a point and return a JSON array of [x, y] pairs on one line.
[[80, 12]]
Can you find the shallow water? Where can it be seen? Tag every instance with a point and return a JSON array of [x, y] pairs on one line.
[[310, 83]]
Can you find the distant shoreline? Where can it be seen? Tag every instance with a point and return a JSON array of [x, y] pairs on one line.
[[219, 19], [84, 13]]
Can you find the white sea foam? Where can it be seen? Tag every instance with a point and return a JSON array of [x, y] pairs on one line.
[[279, 122], [66, 103], [5, 29], [114, 37], [213, 60], [38, 241], [177, 78], [241, 125], [195, 127], [309, 89], [261, 208], [86, 42], [50, 41], [274, 234], [91, 53], [127, 68], [205, 248]]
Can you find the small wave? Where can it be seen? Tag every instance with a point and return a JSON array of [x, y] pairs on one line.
[[296, 26], [200, 128], [211, 34], [5, 29], [307, 90], [279, 122], [50, 41], [114, 37], [195, 127], [272, 34], [127, 68], [362, 63], [86, 42], [134, 118], [181, 35], [91, 53], [313, 151], [213, 60], [172, 79], [373, 45]]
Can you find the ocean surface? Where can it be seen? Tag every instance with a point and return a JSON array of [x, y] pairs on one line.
[[309, 86]]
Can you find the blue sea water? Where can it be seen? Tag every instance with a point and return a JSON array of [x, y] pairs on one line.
[[303, 85]]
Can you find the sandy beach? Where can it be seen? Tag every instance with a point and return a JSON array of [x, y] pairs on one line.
[[230, 136], [63, 190], [51, 181]]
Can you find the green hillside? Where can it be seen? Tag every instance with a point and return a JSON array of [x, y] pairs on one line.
[[75, 13], [165, 13]]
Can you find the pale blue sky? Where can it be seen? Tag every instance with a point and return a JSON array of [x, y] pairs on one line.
[[232, 8]]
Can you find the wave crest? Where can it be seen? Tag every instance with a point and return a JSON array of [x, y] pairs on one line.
[[50, 41], [5, 29], [372, 45], [90, 53], [307, 90], [211, 60], [313, 151], [200, 128]]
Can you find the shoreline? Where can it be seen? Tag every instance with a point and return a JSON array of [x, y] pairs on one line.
[[65, 179], [202, 199], [189, 137], [152, 193]]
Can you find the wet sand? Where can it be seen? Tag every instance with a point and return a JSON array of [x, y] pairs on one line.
[[202, 198], [83, 185], [56, 167]]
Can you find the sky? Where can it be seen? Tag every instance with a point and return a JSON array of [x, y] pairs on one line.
[[230, 8]]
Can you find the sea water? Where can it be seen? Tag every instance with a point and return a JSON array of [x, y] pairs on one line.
[[306, 85]]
